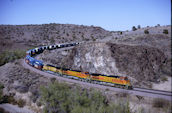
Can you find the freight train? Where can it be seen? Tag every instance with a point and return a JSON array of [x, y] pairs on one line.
[[111, 80]]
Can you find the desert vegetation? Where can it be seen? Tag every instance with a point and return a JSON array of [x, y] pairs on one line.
[[165, 31], [61, 98], [9, 98], [9, 56], [1, 92], [146, 31], [134, 28]]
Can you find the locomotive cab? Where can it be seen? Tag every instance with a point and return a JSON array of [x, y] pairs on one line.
[[38, 64], [128, 84]]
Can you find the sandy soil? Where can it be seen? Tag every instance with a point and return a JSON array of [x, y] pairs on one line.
[[166, 86]]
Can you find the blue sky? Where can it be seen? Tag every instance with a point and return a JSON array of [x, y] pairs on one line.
[[109, 14]]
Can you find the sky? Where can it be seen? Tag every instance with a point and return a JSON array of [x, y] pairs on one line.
[[111, 15]]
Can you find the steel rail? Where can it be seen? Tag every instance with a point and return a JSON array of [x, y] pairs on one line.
[[155, 92], [153, 89]]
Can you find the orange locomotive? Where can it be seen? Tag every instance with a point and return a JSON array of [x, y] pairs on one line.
[[116, 81]]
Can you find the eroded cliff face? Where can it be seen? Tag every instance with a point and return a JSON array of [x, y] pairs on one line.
[[141, 64], [144, 64], [95, 58]]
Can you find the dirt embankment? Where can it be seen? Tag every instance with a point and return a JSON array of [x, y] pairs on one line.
[[20, 83]]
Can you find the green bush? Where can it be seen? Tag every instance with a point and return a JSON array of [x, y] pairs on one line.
[[134, 28], [164, 79], [59, 97], [8, 99], [122, 107], [94, 39], [1, 92], [138, 26], [52, 40], [146, 31], [53, 79], [165, 31], [21, 103], [9, 56]]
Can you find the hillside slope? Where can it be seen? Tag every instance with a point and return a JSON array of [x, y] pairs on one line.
[[49, 34]]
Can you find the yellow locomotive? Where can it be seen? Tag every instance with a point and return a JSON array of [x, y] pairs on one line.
[[116, 81]]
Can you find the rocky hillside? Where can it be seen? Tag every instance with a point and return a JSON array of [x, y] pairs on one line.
[[49, 33]]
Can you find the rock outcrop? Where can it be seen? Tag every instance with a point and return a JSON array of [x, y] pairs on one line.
[[140, 63]]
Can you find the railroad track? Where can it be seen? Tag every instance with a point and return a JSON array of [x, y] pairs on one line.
[[145, 90], [153, 91]]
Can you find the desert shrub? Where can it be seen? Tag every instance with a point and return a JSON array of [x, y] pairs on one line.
[[73, 36], [138, 26], [86, 39], [164, 79], [38, 103], [160, 103], [53, 79], [1, 86], [1, 92], [21, 103], [120, 32], [9, 56], [122, 107], [94, 39], [67, 34], [146, 31], [107, 89], [8, 99], [165, 31], [134, 28], [52, 40], [59, 97]]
